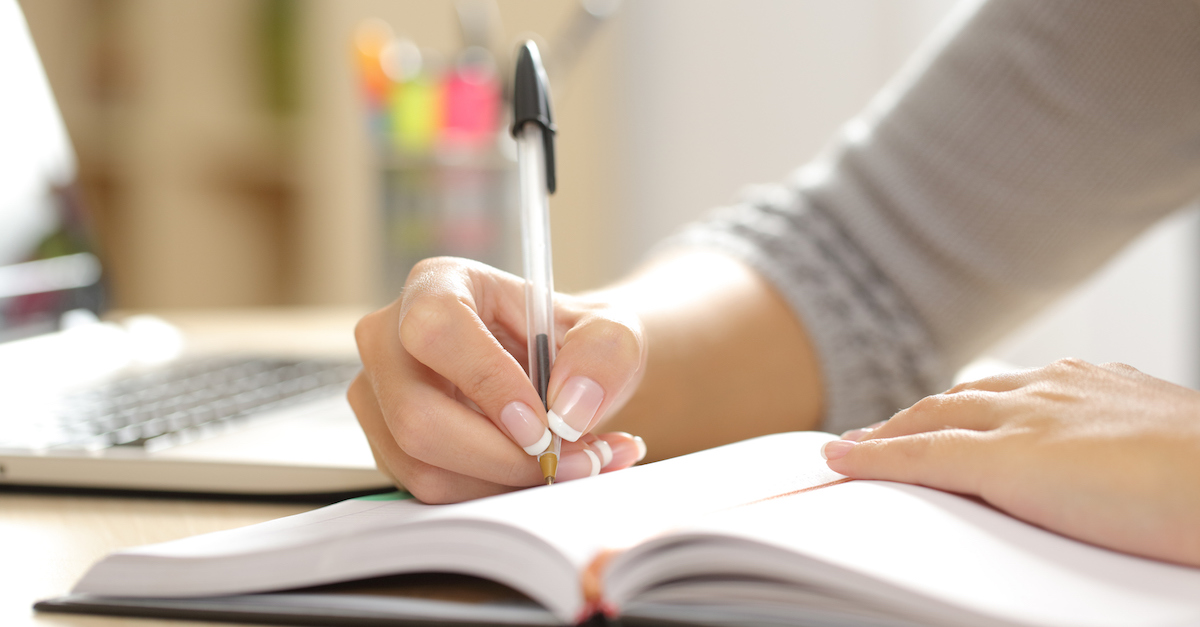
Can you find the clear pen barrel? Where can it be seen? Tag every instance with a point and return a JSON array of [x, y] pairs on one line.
[[535, 232]]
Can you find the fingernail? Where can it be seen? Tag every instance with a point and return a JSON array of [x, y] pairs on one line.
[[857, 434], [578, 464], [641, 447], [575, 407], [527, 431], [604, 450], [837, 449]]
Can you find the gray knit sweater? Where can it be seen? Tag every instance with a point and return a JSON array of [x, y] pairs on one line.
[[1020, 149]]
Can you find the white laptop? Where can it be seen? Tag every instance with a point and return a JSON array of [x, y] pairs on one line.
[[89, 404]]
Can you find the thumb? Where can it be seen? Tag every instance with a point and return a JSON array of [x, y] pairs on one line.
[[599, 364]]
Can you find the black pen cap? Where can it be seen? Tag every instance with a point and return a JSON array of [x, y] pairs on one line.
[[531, 103]]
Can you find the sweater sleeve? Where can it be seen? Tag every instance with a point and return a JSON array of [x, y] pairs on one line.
[[1023, 146]]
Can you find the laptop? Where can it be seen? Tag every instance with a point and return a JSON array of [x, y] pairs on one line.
[[93, 404]]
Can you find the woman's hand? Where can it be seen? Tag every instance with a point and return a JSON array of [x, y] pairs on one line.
[[445, 400], [1105, 454]]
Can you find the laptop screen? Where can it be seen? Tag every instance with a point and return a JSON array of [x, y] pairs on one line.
[[47, 262]]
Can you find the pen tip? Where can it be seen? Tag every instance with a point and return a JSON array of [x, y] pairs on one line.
[[549, 464]]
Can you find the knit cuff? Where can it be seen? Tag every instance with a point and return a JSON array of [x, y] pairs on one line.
[[875, 356]]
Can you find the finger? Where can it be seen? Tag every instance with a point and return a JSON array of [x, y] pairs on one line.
[[578, 460], [953, 460], [427, 483], [365, 407], [1125, 369], [381, 466], [438, 430], [627, 450], [425, 419], [1002, 382], [593, 454], [976, 410], [861, 432], [600, 446], [440, 326], [599, 361]]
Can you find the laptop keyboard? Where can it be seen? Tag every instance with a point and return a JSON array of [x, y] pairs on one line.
[[190, 400]]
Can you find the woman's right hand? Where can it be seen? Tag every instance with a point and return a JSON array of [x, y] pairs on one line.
[[445, 400]]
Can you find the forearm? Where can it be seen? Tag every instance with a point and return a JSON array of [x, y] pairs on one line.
[[1004, 165], [727, 358]]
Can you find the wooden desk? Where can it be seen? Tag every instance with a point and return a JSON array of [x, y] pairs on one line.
[[48, 541]]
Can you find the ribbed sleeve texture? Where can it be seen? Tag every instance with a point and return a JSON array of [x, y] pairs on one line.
[[1019, 150]]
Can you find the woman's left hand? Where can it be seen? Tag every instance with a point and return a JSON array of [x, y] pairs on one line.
[[1104, 454]]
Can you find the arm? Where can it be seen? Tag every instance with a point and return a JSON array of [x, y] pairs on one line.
[[1023, 146], [728, 358], [1016, 154], [1036, 143]]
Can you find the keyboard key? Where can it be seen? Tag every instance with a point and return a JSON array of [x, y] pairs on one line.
[[187, 400]]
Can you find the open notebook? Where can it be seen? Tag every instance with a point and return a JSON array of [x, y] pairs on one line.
[[759, 532]]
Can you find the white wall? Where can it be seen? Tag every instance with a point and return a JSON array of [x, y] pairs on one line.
[[720, 94], [1140, 309]]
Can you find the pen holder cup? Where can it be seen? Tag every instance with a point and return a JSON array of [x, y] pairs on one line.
[[465, 206]]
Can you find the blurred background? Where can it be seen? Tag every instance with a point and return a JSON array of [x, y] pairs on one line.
[[245, 153]]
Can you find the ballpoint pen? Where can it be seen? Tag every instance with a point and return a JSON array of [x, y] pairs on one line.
[[533, 130]]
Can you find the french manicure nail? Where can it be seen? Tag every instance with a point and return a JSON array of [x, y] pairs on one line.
[[641, 447], [837, 449], [575, 407], [527, 431], [605, 451], [578, 464]]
